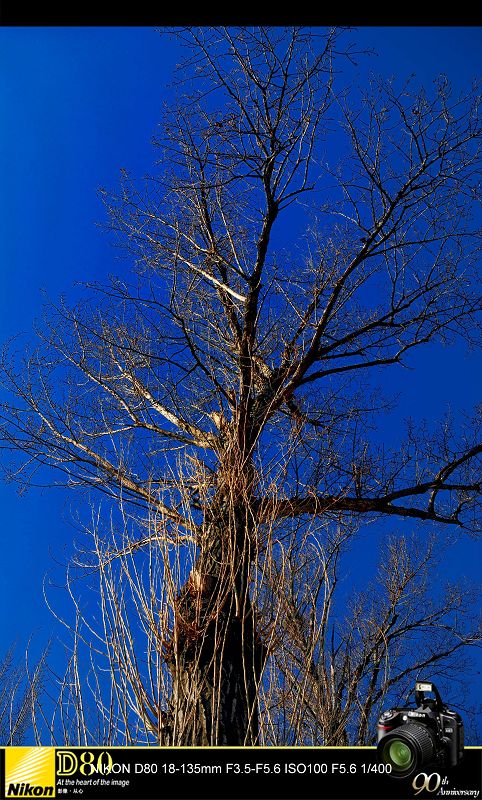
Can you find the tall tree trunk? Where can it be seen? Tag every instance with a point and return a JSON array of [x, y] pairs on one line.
[[216, 658]]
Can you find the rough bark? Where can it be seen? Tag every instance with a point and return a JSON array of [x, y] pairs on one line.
[[216, 657]]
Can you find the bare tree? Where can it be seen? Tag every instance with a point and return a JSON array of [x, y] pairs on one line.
[[224, 388], [19, 691], [334, 672], [332, 662]]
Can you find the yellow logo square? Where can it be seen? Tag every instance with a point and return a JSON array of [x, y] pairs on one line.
[[29, 772]]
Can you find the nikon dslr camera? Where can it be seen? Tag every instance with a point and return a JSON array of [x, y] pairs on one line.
[[411, 738]]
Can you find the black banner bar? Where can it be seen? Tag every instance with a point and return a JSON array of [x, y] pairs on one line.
[[141, 773], [409, 13]]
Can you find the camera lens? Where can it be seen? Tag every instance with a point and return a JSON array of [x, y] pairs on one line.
[[399, 754], [407, 749]]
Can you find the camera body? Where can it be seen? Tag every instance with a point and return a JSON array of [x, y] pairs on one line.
[[411, 738]]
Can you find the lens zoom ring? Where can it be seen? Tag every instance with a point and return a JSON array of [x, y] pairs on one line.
[[423, 738]]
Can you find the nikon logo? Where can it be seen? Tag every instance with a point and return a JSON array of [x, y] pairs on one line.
[[27, 790], [415, 714], [29, 772]]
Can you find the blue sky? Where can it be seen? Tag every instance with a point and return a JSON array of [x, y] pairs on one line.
[[78, 104]]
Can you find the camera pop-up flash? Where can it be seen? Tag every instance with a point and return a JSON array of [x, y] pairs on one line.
[[423, 687]]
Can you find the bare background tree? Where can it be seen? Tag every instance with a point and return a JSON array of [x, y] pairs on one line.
[[334, 673], [224, 392], [20, 688]]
